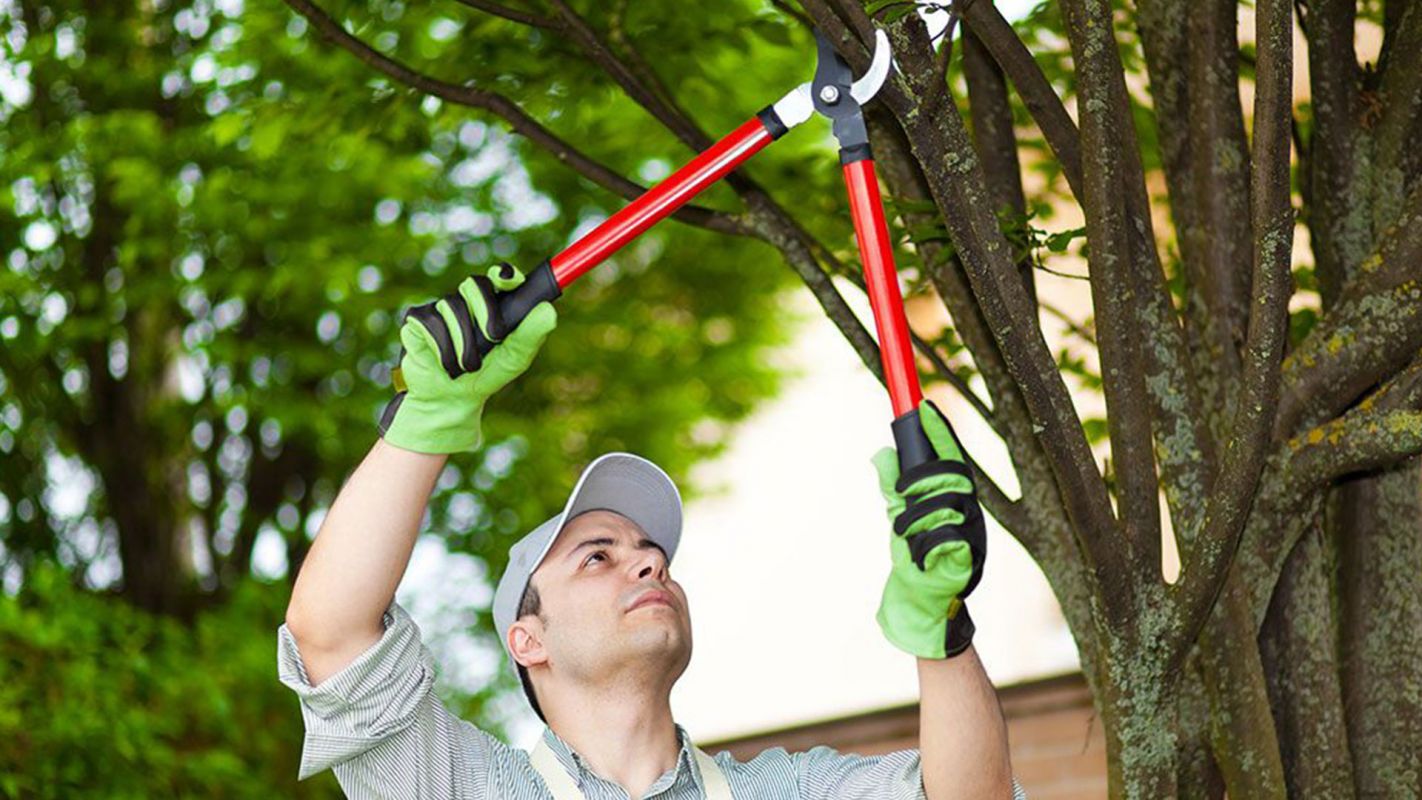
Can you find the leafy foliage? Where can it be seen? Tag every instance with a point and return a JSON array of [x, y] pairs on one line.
[[213, 226], [209, 224], [101, 700]]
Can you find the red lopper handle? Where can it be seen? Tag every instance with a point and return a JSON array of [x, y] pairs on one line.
[[881, 278], [661, 200], [547, 280]]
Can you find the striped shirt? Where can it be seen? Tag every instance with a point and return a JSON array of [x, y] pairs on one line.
[[378, 724]]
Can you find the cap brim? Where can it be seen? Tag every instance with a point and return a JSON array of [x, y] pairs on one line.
[[631, 486]]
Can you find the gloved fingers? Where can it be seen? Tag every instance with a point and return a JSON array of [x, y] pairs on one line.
[[939, 432], [478, 291], [505, 276], [523, 342], [943, 517], [471, 343], [935, 476], [886, 464], [951, 557], [919, 508], [951, 566], [968, 541], [425, 329]]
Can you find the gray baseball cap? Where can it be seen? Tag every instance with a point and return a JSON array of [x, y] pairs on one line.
[[620, 482]]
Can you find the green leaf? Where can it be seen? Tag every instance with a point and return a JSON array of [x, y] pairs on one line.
[[1058, 242], [875, 6]]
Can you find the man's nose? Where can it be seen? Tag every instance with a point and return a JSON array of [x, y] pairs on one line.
[[651, 565]]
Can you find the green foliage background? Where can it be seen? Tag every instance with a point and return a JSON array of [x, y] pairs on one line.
[[209, 222], [102, 700]]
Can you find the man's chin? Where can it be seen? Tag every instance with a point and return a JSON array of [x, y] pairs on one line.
[[663, 641]]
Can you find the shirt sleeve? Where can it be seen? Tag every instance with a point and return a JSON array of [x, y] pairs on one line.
[[823, 773], [379, 726]]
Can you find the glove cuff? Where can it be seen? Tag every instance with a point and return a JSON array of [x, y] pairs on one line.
[[960, 633], [411, 425]]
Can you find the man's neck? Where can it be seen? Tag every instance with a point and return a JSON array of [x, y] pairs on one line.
[[627, 737]]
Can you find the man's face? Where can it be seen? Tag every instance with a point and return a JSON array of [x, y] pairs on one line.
[[610, 608]]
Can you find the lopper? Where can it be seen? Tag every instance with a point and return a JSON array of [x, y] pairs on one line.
[[835, 94]]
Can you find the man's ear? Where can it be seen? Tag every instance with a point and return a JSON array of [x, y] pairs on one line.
[[526, 641]]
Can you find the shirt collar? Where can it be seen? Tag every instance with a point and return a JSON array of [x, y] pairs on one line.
[[580, 770]]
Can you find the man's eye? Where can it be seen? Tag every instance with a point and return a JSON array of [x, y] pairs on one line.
[[589, 559]]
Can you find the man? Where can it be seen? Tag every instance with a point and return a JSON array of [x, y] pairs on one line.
[[593, 622]]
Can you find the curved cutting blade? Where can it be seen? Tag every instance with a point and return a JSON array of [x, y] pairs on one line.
[[868, 85]]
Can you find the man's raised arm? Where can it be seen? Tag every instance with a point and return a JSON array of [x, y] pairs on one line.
[[349, 576], [962, 737], [938, 547], [348, 579]]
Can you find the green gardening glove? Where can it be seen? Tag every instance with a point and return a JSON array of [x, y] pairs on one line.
[[442, 382], [938, 545]]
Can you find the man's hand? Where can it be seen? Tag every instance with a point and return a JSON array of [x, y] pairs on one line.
[[443, 381], [938, 546]]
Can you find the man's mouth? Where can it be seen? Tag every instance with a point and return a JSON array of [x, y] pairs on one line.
[[651, 598]]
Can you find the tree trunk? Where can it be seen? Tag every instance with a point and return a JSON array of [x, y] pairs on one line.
[[1246, 748], [1138, 707], [1380, 598], [1298, 646]]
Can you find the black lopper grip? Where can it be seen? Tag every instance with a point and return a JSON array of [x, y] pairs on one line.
[[512, 306], [911, 441]]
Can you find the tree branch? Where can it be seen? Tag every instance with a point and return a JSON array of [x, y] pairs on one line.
[[1220, 172], [1361, 441], [956, 183], [793, 12], [1206, 564], [802, 259], [1371, 331], [663, 109], [1184, 450], [1106, 134], [511, 14], [1372, 435], [1339, 234], [994, 137], [1399, 252], [618, 34], [1401, 96], [520, 121], [996, 35], [1361, 342]]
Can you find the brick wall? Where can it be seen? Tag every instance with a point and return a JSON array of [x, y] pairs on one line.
[[1058, 749]]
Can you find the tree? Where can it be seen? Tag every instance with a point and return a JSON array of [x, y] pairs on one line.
[[1282, 661], [209, 229]]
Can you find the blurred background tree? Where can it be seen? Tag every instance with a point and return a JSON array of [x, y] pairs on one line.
[[209, 226]]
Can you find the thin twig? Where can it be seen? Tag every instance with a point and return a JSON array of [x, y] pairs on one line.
[[1072, 325], [946, 372], [517, 118], [511, 14], [794, 13]]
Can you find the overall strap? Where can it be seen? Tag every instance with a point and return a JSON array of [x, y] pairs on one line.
[[561, 784], [557, 779], [712, 777]]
